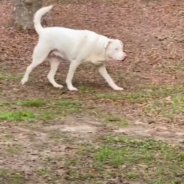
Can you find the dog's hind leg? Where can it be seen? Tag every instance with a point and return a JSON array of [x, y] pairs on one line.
[[40, 53], [54, 63]]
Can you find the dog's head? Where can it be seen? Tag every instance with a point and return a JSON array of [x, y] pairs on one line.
[[114, 50]]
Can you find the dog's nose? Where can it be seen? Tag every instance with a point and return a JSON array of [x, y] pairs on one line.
[[124, 57]]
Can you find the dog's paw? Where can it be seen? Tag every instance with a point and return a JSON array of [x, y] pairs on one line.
[[118, 88], [23, 81], [58, 86], [71, 88]]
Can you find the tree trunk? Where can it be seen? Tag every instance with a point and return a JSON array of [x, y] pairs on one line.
[[24, 12]]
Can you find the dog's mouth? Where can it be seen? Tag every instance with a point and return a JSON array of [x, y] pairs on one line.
[[121, 60]]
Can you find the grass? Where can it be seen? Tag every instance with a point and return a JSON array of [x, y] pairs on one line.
[[10, 77], [13, 149], [168, 107], [144, 94], [70, 106], [17, 116], [148, 161], [32, 103], [116, 120], [85, 89], [169, 67], [143, 160], [42, 172], [26, 103], [7, 177], [24, 115], [8, 136], [158, 102], [37, 110]]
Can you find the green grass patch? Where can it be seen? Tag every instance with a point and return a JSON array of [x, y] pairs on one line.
[[32, 103], [9, 177], [147, 161], [35, 110], [69, 106], [45, 116], [25, 115], [8, 136], [18, 116]]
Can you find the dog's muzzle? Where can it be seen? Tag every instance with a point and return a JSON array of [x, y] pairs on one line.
[[124, 56]]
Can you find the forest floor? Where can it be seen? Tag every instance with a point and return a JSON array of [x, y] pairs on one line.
[[96, 135]]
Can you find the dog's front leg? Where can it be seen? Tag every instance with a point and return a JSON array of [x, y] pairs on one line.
[[102, 70], [73, 66]]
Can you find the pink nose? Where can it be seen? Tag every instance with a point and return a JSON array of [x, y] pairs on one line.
[[124, 57]]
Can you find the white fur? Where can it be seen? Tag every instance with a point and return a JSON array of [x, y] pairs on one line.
[[74, 46]]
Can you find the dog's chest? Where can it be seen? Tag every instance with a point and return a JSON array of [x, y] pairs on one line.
[[94, 59]]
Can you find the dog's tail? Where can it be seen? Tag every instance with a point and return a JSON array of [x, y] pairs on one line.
[[37, 18]]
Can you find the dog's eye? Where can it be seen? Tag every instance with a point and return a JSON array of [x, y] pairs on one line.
[[116, 48]]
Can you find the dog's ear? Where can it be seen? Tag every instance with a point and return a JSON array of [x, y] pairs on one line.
[[121, 43], [107, 43], [103, 42], [98, 51]]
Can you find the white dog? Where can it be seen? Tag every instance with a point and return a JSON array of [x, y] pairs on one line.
[[74, 46]]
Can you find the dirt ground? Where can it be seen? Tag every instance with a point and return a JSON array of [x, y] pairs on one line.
[[96, 135]]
